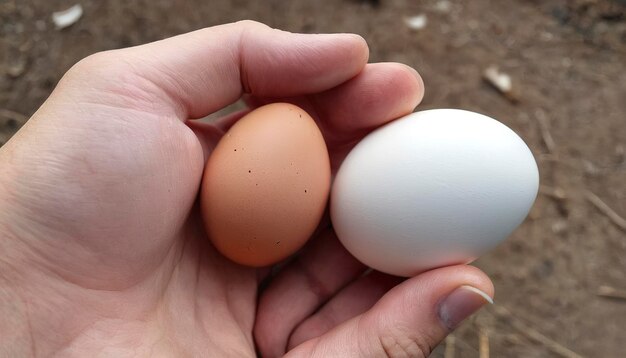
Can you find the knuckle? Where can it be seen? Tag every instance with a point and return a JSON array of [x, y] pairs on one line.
[[95, 66], [122, 75], [251, 24], [92, 63], [110, 66], [319, 287]]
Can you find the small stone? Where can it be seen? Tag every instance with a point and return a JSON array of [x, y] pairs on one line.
[[17, 69], [417, 22], [559, 226], [590, 168], [443, 6]]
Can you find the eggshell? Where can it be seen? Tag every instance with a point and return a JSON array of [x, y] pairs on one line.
[[266, 185], [432, 189]]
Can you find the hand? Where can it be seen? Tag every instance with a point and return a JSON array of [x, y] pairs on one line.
[[103, 251]]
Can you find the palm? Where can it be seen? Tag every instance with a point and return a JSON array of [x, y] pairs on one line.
[[145, 230], [108, 221], [143, 233]]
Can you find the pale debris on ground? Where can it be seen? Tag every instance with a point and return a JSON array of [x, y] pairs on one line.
[[443, 6], [500, 80], [417, 22], [68, 17]]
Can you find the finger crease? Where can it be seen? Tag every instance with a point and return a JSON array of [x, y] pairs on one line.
[[243, 75], [317, 286]]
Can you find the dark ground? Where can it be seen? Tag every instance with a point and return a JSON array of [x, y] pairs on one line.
[[567, 61]]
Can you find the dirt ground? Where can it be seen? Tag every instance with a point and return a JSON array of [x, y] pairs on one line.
[[567, 62]]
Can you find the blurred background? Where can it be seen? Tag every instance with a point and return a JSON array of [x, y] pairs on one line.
[[552, 70]]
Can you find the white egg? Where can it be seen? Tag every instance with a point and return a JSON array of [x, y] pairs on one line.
[[432, 189]]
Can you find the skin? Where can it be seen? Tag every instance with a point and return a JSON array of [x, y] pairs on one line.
[[103, 249]]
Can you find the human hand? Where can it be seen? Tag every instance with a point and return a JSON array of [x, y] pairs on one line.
[[103, 250]]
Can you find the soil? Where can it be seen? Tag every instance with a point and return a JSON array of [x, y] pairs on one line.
[[566, 60]]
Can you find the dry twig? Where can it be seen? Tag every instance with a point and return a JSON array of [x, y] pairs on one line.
[[606, 210], [611, 292], [483, 343], [533, 334], [544, 128], [450, 347]]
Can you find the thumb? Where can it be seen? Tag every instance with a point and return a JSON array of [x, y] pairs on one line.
[[198, 73], [410, 320]]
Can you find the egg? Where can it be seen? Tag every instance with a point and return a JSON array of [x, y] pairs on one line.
[[431, 189], [266, 185]]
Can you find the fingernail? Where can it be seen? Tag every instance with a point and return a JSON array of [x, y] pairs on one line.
[[460, 304]]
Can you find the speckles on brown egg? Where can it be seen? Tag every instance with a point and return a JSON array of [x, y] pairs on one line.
[[277, 187]]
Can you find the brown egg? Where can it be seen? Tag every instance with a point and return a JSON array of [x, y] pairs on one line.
[[266, 185]]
